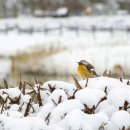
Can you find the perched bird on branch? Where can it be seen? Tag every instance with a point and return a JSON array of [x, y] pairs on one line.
[[86, 70]]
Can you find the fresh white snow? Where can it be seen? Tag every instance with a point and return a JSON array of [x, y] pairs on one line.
[[69, 111]]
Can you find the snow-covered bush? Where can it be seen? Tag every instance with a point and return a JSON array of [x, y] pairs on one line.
[[101, 103]]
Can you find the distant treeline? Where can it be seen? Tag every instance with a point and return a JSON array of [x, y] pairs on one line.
[[14, 8]]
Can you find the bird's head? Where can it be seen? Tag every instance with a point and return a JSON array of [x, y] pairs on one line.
[[82, 62]]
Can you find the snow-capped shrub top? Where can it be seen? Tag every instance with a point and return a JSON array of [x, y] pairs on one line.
[[57, 97], [45, 95], [102, 103], [89, 97], [119, 96], [67, 87], [59, 112], [121, 119], [103, 82], [11, 92]]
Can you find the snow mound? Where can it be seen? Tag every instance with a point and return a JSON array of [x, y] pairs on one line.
[[102, 103]]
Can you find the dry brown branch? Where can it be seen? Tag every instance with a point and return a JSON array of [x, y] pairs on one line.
[[89, 110], [60, 99], [38, 82], [126, 105], [47, 118], [13, 101], [128, 82], [54, 102], [110, 74], [20, 82], [105, 90], [32, 108], [27, 108], [51, 88], [39, 97], [73, 96], [107, 75], [76, 82], [3, 104], [102, 99], [86, 83], [23, 86], [102, 126], [31, 85], [121, 79], [20, 108], [6, 84]]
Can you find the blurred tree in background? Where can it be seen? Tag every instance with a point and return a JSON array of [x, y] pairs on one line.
[[14, 8]]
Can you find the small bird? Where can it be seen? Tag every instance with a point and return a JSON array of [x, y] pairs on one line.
[[86, 70]]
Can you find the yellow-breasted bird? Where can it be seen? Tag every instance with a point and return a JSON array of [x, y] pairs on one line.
[[86, 70]]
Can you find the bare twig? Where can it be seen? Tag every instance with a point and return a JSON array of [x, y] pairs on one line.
[[3, 103], [39, 97], [6, 84], [126, 105], [121, 79], [102, 99], [102, 126], [27, 109], [47, 118], [73, 96], [60, 99], [51, 88], [105, 73], [76, 82], [20, 82], [23, 90], [86, 83], [128, 82], [54, 102], [105, 90], [36, 80], [89, 110], [108, 75], [32, 86]]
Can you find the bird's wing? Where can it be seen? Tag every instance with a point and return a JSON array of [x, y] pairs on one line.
[[89, 66], [91, 69], [93, 72]]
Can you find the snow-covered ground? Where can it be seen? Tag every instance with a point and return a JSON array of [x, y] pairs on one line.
[[14, 41], [105, 48], [101, 104]]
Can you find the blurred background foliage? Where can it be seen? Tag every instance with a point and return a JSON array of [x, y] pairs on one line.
[[15, 8]]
